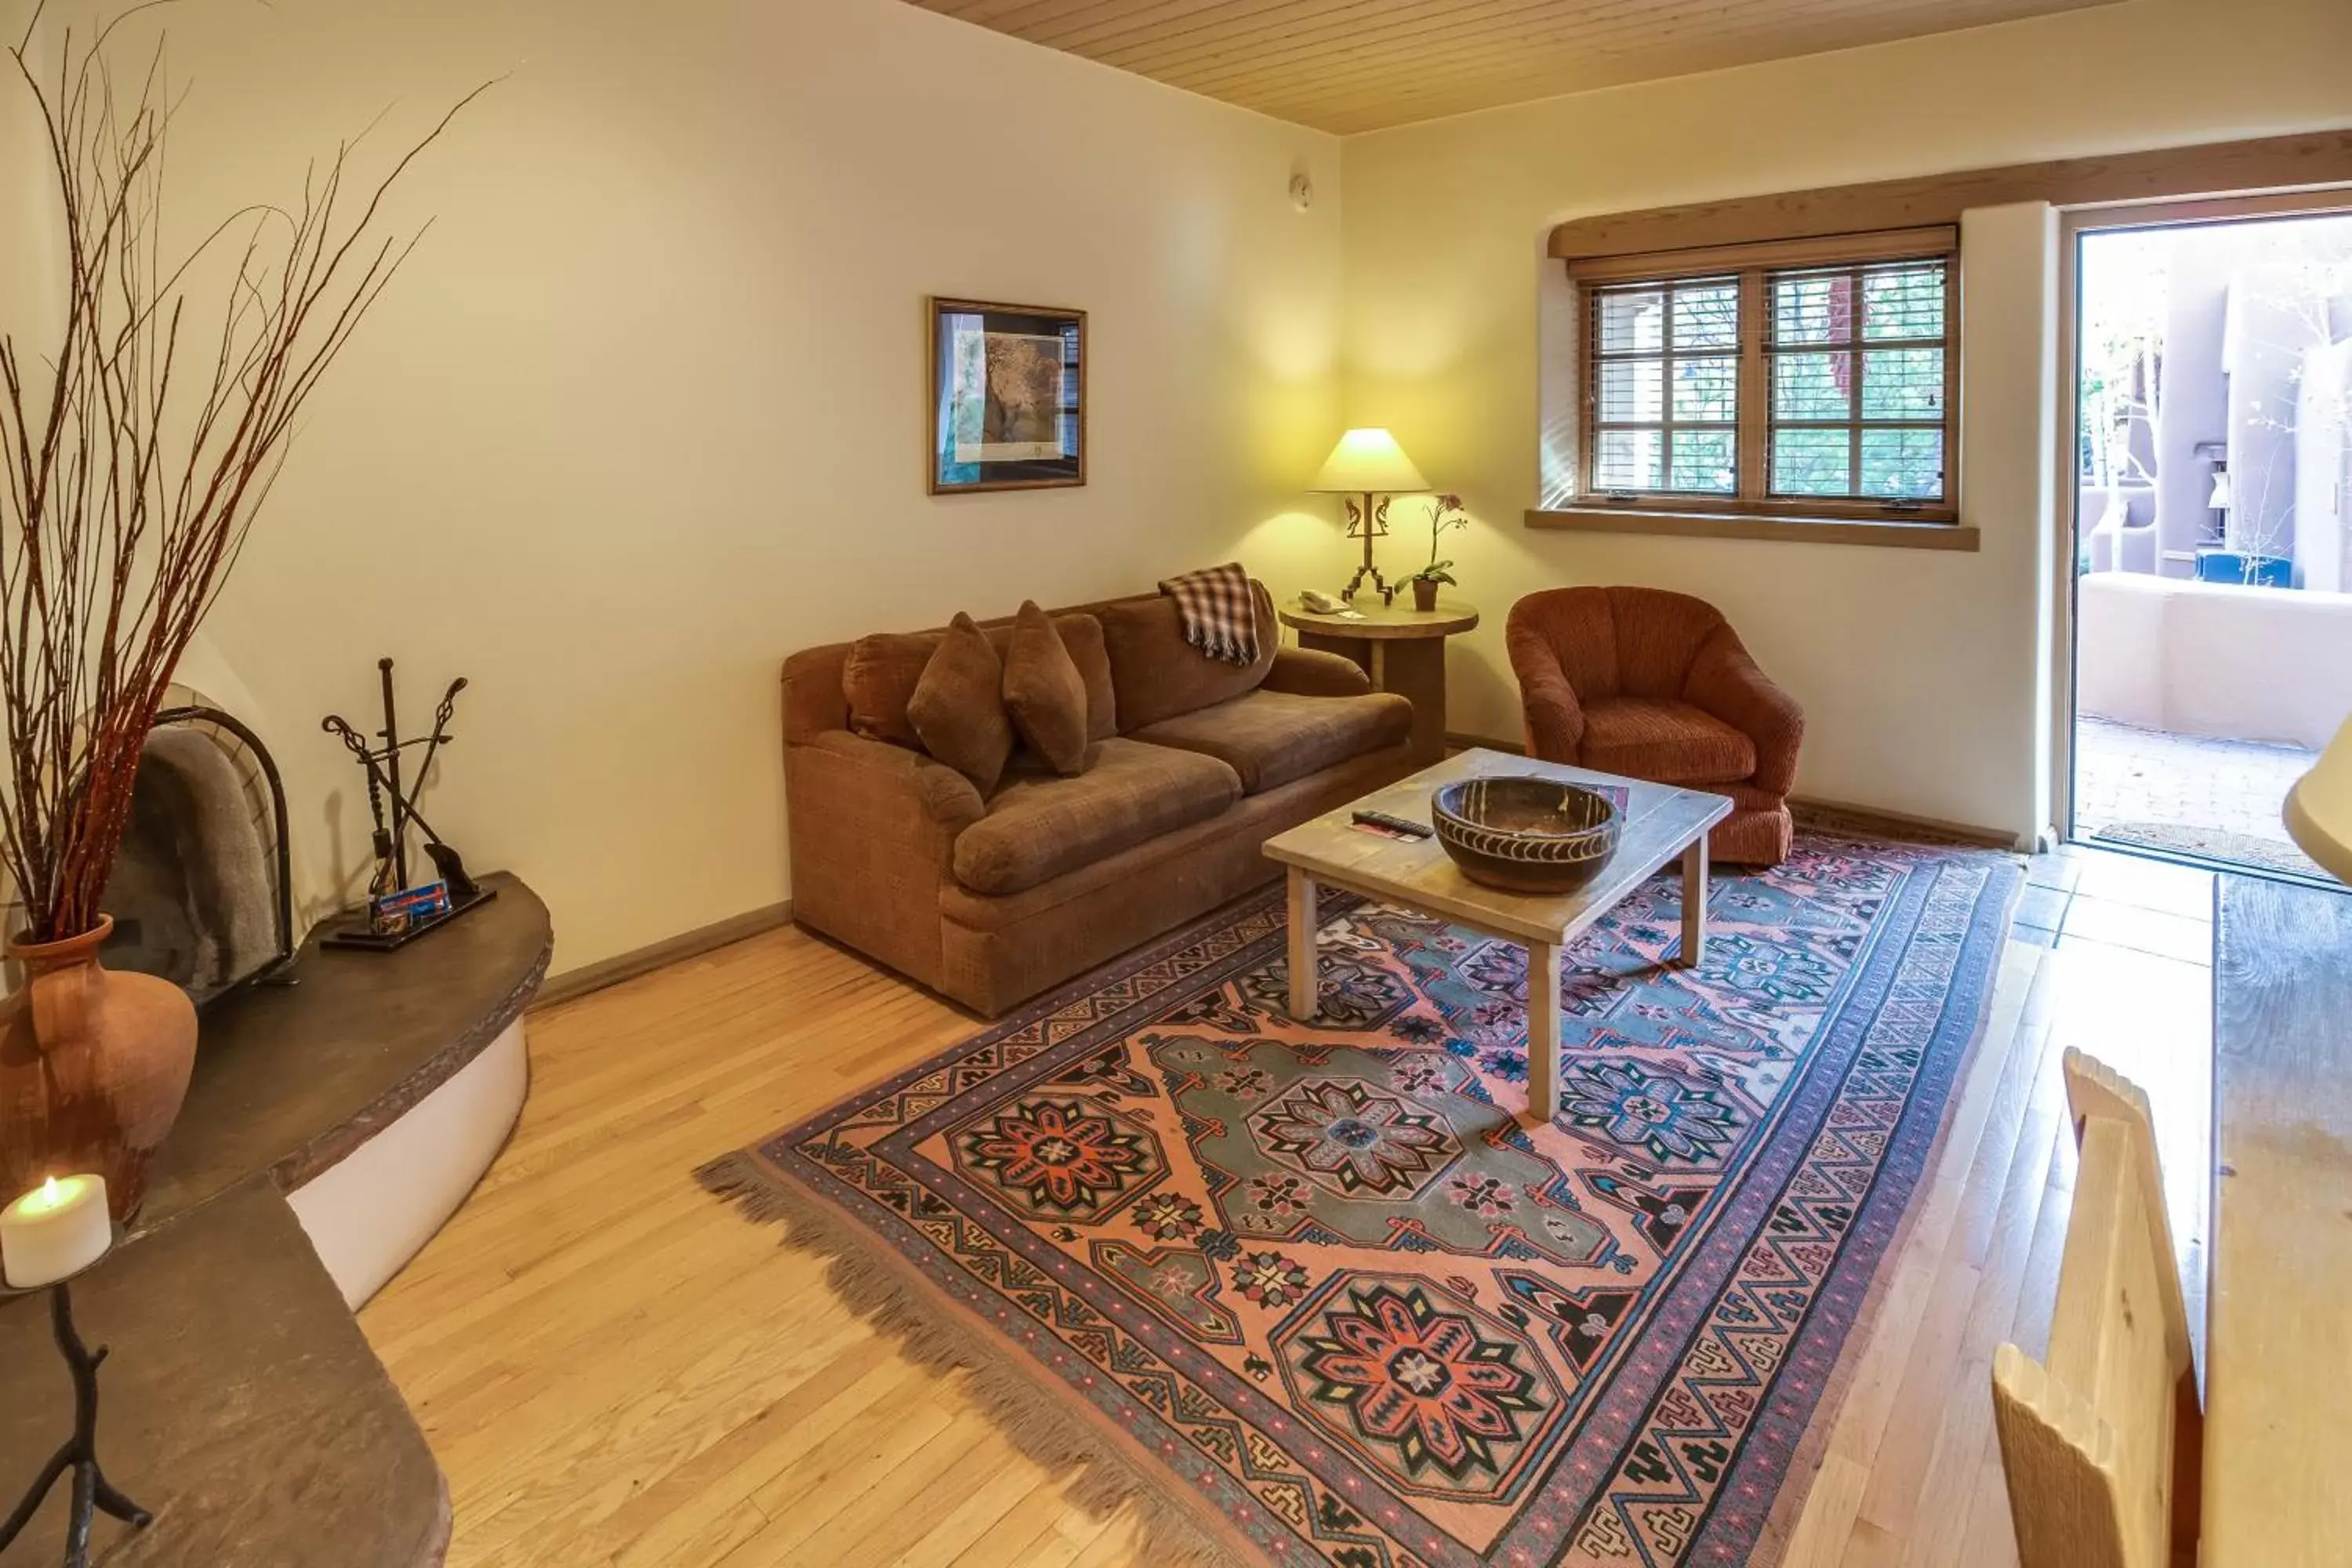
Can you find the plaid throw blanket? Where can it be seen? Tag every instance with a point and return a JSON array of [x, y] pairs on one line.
[[1219, 612]]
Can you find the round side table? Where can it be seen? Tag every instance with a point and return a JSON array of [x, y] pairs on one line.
[[1402, 648]]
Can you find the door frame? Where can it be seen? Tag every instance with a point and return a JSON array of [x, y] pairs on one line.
[[2073, 223]]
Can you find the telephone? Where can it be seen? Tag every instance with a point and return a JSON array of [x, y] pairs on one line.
[[1322, 604]]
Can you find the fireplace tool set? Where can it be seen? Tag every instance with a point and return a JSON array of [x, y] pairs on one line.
[[398, 912]]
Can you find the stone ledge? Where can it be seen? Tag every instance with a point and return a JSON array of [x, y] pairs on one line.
[[290, 1080], [240, 1404]]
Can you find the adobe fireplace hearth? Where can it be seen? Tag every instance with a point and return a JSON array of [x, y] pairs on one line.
[[374, 1093], [200, 891]]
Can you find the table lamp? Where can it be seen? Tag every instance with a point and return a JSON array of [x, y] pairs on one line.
[[1368, 468], [2319, 807]]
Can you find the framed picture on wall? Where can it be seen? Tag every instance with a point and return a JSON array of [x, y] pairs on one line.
[[1008, 397]]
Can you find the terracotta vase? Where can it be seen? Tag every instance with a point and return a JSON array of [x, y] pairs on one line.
[[93, 1066], [1424, 595]]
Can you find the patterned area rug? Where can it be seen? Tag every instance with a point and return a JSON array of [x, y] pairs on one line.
[[1324, 1296]]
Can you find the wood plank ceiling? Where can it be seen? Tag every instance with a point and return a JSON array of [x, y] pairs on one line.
[[1347, 66]]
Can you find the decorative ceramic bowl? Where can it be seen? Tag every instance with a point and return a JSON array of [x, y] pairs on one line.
[[1526, 835]]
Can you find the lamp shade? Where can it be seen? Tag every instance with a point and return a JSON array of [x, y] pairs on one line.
[[2319, 807], [1368, 462]]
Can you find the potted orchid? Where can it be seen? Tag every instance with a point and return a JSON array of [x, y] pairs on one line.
[[1445, 515]]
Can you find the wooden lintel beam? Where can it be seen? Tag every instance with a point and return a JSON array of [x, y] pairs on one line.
[[2313, 160]]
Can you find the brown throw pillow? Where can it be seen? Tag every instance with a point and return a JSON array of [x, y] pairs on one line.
[[957, 711], [1082, 635], [1044, 692], [879, 678]]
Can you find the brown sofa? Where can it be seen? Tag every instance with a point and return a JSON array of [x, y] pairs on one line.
[[1652, 685], [1193, 765]]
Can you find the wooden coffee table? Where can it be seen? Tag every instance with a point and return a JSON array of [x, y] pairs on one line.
[[1662, 823]]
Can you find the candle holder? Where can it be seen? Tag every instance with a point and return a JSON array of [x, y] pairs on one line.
[[79, 1454]]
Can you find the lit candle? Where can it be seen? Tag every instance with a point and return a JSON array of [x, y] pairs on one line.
[[58, 1228]]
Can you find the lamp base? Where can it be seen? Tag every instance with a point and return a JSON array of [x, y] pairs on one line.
[[1369, 523], [91, 1491], [1387, 593]]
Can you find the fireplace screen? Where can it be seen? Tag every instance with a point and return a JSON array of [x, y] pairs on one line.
[[199, 891]]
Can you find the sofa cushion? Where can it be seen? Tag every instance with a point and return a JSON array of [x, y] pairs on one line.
[[1039, 825], [1663, 740], [1270, 738], [878, 675], [1157, 675], [1082, 639], [1044, 692], [957, 706], [877, 679]]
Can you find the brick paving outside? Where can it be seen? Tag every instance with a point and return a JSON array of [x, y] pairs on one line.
[[2125, 774]]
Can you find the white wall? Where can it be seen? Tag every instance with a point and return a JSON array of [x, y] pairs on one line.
[[2209, 659], [2322, 469], [646, 410], [1921, 671], [31, 259]]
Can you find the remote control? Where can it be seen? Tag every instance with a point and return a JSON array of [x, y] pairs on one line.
[[1395, 824]]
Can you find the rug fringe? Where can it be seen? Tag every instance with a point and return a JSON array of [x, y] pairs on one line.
[[1031, 1413]]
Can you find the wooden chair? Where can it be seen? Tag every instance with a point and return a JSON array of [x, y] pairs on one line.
[[2102, 1443]]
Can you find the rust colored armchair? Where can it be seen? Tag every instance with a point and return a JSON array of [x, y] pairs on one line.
[[1657, 686]]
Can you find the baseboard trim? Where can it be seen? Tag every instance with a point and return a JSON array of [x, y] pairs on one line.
[[574, 984], [1819, 813], [1832, 814]]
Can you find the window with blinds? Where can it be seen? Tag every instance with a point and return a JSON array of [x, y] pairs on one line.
[[1666, 387], [1859, 363], [1787, 379]]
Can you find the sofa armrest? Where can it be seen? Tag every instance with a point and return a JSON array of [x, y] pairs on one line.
[[1315, 672], [882, 788], [1554, 718], [873, 829], [1725, 681]]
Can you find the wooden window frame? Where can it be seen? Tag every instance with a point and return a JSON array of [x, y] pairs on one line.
[[1753, 266], [1667, 356]]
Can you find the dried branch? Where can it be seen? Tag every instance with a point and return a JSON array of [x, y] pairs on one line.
[[132, 467]]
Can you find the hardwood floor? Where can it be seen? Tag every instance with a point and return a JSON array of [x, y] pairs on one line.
[[614, 1369]]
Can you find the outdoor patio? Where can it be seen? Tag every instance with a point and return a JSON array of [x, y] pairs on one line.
[[2187, 794]]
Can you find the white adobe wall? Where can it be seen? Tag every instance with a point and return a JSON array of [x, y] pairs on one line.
[[2207, 658]]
